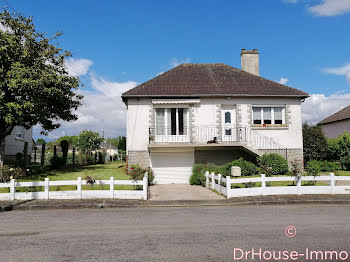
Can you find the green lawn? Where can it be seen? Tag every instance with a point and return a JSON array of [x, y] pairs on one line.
[[99, 172]]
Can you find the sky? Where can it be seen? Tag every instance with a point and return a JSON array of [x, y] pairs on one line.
[[117, 45]]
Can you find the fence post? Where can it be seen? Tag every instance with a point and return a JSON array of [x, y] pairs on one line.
[[73, 157], [299, 185], [219, 183], [263, 185], [228, 187], [212, 180], [42, 160], [79, 188], [332, 182], [47, 188], [111, 186], [145, 186], [12, 189], [206, 178]]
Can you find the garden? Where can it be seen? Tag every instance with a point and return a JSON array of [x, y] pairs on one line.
[[321, 156]]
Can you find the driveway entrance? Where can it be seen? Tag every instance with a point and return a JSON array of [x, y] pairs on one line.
[[182, 192]]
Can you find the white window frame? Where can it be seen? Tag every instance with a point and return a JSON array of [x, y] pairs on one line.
[[272, 115], [167, 137]]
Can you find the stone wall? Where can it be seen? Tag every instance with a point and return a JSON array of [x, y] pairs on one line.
[[139, 157]]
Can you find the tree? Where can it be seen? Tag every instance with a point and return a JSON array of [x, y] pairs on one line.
[[122, 143], [35, 87], [315, 143], [72, 140], [88, 141], [40, 141], [339, 147]]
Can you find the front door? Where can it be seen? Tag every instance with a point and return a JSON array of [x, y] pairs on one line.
[[228, 125]]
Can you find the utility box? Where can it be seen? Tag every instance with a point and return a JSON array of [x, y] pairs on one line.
[[235, 171]]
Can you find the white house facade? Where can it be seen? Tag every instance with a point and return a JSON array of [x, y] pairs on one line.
[[210, 113], [14, 143]]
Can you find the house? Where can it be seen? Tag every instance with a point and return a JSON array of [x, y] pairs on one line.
[[111, 150], [337, 123], [211, 113], [15, 142]]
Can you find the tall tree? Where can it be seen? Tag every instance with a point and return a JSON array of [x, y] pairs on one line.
[[88, 141], [315, 143], [35, 87]]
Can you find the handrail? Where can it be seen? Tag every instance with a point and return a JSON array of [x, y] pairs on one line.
[[216, 134]]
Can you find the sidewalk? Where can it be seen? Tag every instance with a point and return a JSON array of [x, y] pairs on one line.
[[117, 203]]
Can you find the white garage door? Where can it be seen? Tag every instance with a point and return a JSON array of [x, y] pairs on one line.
[[172, 168]]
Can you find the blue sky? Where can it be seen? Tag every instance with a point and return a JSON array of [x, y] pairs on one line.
[[117, 44]]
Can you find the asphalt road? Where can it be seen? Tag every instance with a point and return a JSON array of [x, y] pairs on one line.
[[170, 234]]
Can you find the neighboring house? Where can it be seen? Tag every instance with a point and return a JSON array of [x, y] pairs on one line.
[[110, 149], [211, 113], [337, 123], [14, 143]]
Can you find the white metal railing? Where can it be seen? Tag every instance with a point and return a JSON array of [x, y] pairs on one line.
[[226, 185], [217, 134], [75, 194]]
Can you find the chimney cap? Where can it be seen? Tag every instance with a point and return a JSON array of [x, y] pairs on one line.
[[254, 51]]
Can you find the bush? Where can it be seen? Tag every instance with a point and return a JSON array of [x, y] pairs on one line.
[[273, 164], [137, 173], [328, 166], [9, 173], [197, 177], [247, 168], [346, 162], [313, 168], [57, 162]]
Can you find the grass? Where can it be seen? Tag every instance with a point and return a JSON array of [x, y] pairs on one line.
[[114, 169]]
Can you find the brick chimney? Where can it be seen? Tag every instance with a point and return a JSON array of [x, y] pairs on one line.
[[250, 61]]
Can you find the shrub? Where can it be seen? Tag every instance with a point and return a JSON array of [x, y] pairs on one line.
[[57, 162], [247, 168], [346, 162], [137, 173], [313, 168], [273, 164], [9, 173], [197, 177], [328, 166]]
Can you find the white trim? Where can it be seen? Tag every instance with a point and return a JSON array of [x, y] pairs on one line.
[[175, 101]]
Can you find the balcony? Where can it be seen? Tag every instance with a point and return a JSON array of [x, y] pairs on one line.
[[227, 135]]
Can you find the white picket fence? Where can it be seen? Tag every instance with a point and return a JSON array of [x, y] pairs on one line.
[[76, 194], [219, 184]]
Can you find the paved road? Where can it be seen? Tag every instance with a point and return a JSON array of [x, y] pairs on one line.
[[169, 234]]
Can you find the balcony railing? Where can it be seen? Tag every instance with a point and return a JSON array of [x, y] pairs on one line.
[[216, 135]]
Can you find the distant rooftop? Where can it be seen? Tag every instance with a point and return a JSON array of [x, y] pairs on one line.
[[338, 116]]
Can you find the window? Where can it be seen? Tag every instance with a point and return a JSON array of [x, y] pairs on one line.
[[171, 121], [227, 118], [20, 132], [268, 115], [256, 115]]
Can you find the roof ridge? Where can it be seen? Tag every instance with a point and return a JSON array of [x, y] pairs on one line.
[[330, 120]]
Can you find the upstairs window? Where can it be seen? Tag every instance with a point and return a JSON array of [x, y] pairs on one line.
[[20, 132], [268, 115]]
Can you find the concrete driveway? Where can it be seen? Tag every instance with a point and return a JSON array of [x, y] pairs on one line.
[[182, 192]]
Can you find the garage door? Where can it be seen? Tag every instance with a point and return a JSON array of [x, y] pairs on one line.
[[172, 168]]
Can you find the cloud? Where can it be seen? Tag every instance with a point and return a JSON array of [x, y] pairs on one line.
[[340, 71], [330, 8], [102, 110], [283, 80], [319, 106], [174, 62], [78, 67]]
